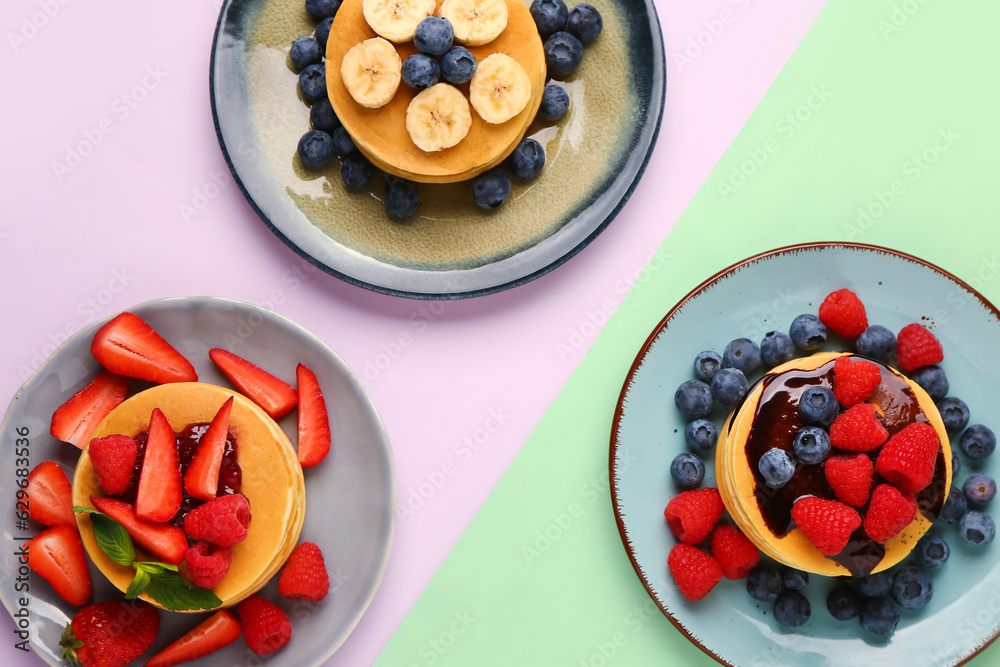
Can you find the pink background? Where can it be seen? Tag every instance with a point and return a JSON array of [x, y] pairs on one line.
[[110, 233]]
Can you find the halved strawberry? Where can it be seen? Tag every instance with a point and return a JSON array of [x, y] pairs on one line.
[[113, 457], [202, 477], [76, 419], [275, 396], [220, 630], [163, 541], [57, 555], [50, 496], [110, 634], [160, 492], [314, 421], [129, 346]]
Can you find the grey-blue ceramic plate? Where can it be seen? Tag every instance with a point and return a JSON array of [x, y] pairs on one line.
[[450, 248], [762, 294], [350, 497]]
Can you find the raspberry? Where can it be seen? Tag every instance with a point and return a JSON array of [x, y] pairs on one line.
[[305, 576], [736, 554], [889, 512], [222, 521], [850, 476], [916, 347], [265, 627], [207, 564], [908, 459], [828, 524], [844, 313], [691, 515], [857, 429], [113, 457], [695, 572], [854, 381]]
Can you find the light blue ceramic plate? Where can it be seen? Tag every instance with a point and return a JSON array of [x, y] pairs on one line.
[[350, 497], [762, 294]]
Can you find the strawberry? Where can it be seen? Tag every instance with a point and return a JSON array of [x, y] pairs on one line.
[[202, 477], [265, 627], [50, 496], [314, 421], [163, 541], [57, 555], [916, 347], [889, 512], [828, 524], [113, 457], [858, 429], [221, 521], [695, 572], [736, 554], [305, 576], [691, 515], [275, 396], [218, 631], [207, 564], [850, 477], [76, 419], [909, 458], [854, 381], [843, 312], [160, 490], [128, 346], [110, 634]]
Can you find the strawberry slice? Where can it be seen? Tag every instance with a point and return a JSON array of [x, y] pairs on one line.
[[314, 421], [202, 477], [110, 634], [220, 630], [76, 419], [275, 396], [163, 541], [129, 346], [57, 555], [160, 491], [50, 496]]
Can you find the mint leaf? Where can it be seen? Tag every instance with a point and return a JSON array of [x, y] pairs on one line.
[[81, 509], [113, 539], [150, 567], [175, 594], [138, 584]]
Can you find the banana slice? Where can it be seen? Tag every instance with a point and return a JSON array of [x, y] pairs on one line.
[[396, 20], [438, 117], [499, 89], [476, 22], [371, 72]]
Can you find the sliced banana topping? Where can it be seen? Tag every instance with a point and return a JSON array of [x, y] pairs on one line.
[[476, 22], [499, 89], [438, 117], [371, 72], [396, 20]]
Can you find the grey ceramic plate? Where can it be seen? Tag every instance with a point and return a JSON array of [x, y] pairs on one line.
[[450, 248], [762, 294], [350, 497]]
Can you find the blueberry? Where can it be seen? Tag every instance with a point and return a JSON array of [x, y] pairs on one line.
[[764, 584], [434, 35], [976, 528], [687, 470], [932, 551], [876, 342], [400, 196], [584, 22], [794, 580], [305, 51], [729, 385], [312, 82], [954, 413], [978, 442], [527, 160], [343, 145], [321, 9], [563, 53], [491, 189], [818, 406], [811, 444], [791, 609], [555, 102], [776, 467], [955, 506], [807, 332], [458, 65], [357, 171], [912, 588], [980, 488], [876, 584], [879, 617], [420, 70], [843, 602], [549, 15], [323, 117], [323, 32], [706, 365], [742, 354], [933, 380], [701, 435], [776, 348], [315, 148], [956, 460], [694, 399]]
